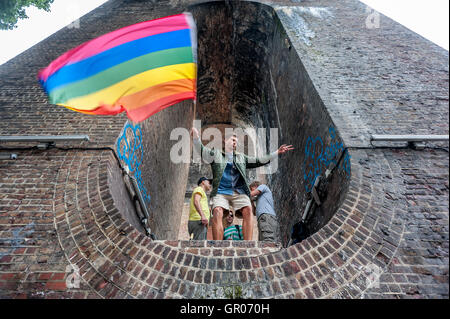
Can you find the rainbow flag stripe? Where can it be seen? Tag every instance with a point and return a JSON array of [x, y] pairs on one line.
[[140, 69]]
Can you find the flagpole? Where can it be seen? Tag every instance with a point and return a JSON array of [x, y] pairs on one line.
[[193, 33], [195, 110]]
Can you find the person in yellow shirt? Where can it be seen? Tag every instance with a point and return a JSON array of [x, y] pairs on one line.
[[199, 213]]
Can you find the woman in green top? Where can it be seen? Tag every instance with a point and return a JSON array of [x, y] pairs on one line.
[[232, 232]]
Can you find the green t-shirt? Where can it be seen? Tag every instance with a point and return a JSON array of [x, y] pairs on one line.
[[233, 232]]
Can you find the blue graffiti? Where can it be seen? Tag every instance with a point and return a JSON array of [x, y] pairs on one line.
[[131, 152], [318, 158], [18, 239]]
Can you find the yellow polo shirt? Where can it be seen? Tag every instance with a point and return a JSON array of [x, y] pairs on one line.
[[193, 214]]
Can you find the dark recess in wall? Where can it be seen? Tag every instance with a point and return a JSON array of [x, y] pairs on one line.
[[248, 77]]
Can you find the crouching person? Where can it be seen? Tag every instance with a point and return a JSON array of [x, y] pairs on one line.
[[199, 210], [265, 212], [231, 231]]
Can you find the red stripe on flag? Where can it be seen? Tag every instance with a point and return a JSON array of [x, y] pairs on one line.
[[101, 110], [140, 114]]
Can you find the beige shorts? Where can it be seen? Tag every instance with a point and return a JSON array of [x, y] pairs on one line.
[[236, 201]]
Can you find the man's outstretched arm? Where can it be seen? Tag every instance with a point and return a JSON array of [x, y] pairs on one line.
[[254, 162], [198, 143]]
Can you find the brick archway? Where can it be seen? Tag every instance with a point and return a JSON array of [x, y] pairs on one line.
[[115, 260]]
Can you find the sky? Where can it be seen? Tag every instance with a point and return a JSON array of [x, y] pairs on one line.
[[42, 24], [428, 18]]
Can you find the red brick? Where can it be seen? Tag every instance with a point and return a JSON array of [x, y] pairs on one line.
[[8, 276], [45, 276], [59, 276], [55, 285]]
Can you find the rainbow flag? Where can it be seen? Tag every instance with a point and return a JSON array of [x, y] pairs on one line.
[[140, 69]]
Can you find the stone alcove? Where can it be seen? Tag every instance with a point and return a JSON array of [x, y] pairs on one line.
[[249, 76]]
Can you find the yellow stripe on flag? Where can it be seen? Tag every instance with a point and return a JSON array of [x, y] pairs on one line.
[[134, 84]]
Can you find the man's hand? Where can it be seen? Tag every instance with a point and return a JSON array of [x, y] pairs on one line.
[[194, 133], [255, 193], [284, 148], [204, 220]]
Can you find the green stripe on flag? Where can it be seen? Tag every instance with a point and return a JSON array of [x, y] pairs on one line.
[[121, 72]]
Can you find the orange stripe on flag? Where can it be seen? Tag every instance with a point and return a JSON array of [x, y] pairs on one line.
[[156, 92], [149, 97], [101, 110], [140, 114]]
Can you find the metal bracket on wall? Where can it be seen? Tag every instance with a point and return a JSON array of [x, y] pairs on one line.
[[314, 200], [45, 141], [7, 156], [319, 188], [412, 141], [46, 146], [314, 191], [141, 209]]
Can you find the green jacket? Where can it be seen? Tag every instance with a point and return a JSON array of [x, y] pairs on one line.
[[242, 162]]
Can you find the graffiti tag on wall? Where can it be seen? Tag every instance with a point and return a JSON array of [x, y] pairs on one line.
[[20, 237], [131, 152], [318, 158]]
